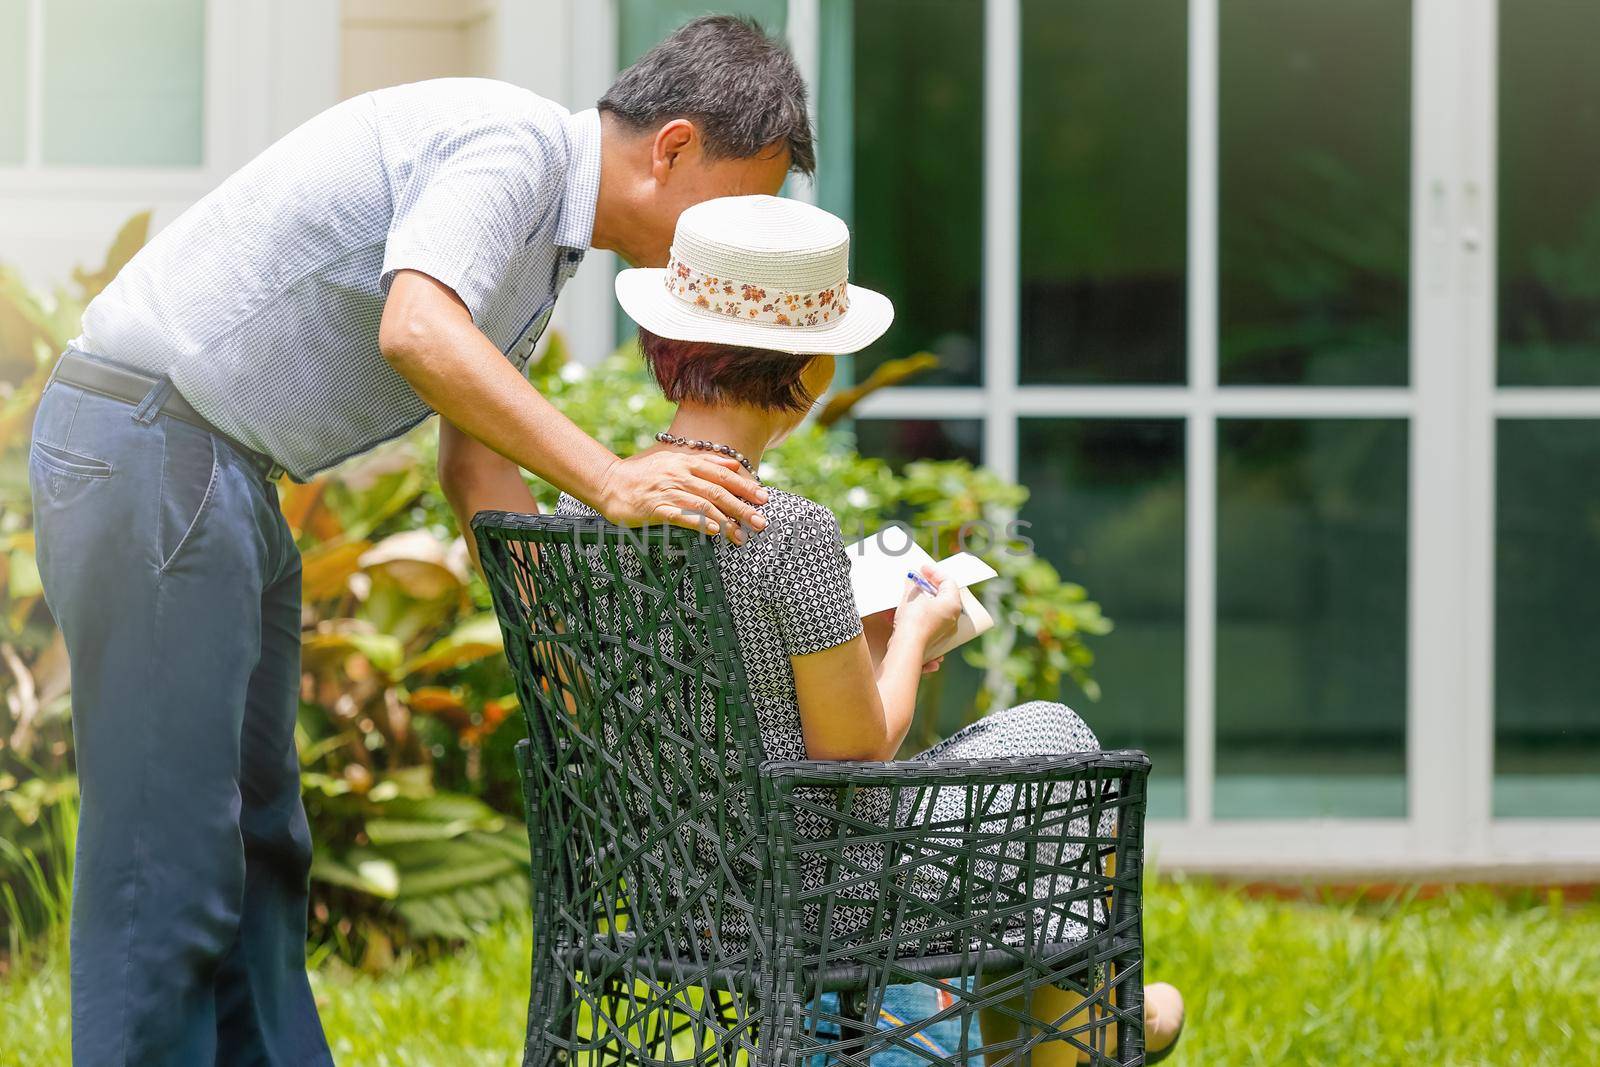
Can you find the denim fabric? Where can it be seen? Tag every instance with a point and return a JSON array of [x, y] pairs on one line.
[[176, 583], [904, 1004]]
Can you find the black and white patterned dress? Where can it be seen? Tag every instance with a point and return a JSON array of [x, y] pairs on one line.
[[788, 588]]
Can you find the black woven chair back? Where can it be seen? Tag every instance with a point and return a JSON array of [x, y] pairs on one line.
[[644, 749]]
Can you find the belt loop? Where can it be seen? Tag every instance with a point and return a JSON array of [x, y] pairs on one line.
[[150, 406]]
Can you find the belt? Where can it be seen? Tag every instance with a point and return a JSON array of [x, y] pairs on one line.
[[136, 387]]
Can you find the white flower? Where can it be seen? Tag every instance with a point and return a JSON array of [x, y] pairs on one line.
[[858, 497]]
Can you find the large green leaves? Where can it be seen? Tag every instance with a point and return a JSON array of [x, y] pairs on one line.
[[437, 864]]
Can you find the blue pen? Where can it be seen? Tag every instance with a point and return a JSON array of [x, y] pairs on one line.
[[922, 583]]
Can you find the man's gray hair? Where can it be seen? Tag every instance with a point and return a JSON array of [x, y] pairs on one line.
[[739, 86]]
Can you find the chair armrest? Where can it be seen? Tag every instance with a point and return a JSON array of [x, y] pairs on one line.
[[1086, 766]]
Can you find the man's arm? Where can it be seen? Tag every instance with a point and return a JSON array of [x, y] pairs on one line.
[[428, 336]]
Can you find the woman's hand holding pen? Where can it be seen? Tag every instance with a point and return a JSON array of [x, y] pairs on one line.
[[928, 610]]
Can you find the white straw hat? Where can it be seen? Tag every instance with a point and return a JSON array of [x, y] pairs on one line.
[[758, 271]]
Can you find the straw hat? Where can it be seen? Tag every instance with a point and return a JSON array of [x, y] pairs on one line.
[[758, 271]]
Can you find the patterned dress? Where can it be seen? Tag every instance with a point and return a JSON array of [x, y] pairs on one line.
[[788, 589]]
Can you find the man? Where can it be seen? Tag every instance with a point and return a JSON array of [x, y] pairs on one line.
[[396, 256]]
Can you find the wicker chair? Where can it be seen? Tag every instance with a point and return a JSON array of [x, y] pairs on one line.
[[674, 918]]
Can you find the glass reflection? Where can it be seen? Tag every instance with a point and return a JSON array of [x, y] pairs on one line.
[[1314, 213], [1547, 550], [917, 213], [899, 441], [13, 79], [1549, 248], [1107, 508], [1104, 190], [1311, 618], [132, 92], [643, 23]]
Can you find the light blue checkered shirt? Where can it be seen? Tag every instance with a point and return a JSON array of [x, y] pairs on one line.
[[262, 301]]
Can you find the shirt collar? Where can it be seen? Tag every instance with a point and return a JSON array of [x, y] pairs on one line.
[[575, 226]]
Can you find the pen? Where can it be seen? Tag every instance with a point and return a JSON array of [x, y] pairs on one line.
[[922, 583]]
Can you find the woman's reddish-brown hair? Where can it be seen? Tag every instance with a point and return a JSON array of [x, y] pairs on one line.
[[712, 373]]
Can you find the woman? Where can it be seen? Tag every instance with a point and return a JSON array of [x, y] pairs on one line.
[[740, 331]]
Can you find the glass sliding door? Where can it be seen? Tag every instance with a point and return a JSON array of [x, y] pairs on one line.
[[1103, 258], [1313, 270], [1547, 467], [1307, 493], [1305, 391]]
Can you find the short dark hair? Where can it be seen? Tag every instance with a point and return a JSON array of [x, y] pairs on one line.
[[740, 86], [725, 374]]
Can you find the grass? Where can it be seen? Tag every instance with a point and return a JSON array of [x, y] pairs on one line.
[[1470, 978]]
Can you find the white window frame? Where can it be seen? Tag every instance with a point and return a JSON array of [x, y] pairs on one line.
[[1451, 406], [266, 68]]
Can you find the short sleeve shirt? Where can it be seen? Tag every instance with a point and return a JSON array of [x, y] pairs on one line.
[[262, 301]]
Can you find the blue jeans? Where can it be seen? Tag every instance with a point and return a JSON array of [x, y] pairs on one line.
[[176, 583], [905, 1004]]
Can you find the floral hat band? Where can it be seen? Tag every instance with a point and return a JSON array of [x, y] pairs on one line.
[[757, 272], [753, 303]]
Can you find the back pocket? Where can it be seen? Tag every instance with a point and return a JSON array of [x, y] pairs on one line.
[[72, 464]]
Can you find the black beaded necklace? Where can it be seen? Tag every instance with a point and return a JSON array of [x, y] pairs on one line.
[[708, 446]]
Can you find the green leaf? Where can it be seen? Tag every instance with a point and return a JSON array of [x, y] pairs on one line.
[[431, 917], [511, 842], [422, 883], [404, 831], [24, 578], [383, 651], [473, 639], [375, 877], [442, 807]]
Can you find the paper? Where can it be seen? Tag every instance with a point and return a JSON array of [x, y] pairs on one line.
[[878, 568]]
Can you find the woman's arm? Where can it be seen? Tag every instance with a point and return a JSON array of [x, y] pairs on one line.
[[476, 478], [851, 710]]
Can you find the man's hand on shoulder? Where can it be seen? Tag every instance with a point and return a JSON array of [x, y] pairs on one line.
[[706, 492]]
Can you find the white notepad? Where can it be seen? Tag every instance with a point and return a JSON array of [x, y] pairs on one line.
[[878, 567]]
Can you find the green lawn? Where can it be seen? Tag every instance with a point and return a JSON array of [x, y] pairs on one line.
[[1470, 979]]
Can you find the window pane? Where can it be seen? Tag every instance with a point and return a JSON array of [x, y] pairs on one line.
[[1311, 618], [1315, 163], [1104, 190], [643, 23], [13, 79], [917, 208], [901, 440], [1547, 552], [124, 83], [1108, 510], [1549, 202]]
